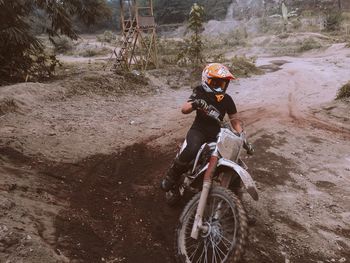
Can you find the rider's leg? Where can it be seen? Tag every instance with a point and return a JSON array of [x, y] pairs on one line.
[[173, 174], [194, 141]]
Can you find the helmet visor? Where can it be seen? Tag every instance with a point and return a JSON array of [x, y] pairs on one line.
[[218, 85]]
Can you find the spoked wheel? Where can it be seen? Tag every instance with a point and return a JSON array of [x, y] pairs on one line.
[[227, 230]]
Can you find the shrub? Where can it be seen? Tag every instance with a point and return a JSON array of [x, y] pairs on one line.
[[333, 21], [309, 44], [108, 36], [244, 67], [62, 44], [217, 58], [92, 52], [168, 51], [236, 38], [43, 66], [344, 92], [296, 24]]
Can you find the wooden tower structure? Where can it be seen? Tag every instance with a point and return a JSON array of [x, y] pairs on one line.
[[139, 47]]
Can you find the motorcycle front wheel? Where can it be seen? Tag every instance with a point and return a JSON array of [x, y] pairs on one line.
[[227, 229]]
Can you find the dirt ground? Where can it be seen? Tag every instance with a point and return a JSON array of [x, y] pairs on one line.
[[80, 163]]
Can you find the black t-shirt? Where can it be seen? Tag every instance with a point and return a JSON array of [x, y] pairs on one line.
[[202, 121]]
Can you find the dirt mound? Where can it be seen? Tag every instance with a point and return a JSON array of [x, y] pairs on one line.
[[107, 83], [22, 97], [26, 210]]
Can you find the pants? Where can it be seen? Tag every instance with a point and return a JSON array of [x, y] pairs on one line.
[[195, 138]]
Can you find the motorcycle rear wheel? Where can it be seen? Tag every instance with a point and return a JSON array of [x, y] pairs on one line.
[[226, 238]]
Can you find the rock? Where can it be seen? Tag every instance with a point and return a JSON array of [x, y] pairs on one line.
[[6, 204], [3, 229], [136, 72], [342, 260]]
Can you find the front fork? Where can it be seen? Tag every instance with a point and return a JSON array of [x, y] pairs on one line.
[[207, 182]]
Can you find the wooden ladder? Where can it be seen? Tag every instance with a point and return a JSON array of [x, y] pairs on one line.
[[129, 36]]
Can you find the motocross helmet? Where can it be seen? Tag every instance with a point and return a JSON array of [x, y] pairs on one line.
[[215, 79]]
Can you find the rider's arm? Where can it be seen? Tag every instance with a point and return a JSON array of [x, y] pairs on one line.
[[187, 108], [235, 122]]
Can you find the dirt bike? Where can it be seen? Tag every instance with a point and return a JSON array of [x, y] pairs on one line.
[[213, 225]]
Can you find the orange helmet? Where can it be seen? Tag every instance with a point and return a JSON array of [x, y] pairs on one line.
[[215, 78]]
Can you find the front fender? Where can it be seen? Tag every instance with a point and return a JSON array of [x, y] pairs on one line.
[[247, 180]]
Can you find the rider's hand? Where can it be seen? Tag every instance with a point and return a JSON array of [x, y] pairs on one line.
[[199, 104]]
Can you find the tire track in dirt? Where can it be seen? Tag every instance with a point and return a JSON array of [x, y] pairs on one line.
[[117, 212]]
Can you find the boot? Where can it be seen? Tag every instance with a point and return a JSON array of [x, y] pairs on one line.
[[173, 175]]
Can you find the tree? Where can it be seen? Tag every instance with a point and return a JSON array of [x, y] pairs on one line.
[[195, 24], [21, 52]]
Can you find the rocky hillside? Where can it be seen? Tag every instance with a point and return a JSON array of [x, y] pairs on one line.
[[176, 11]]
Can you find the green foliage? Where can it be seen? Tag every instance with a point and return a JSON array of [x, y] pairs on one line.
[[92, 52], [42, 66], [62, 44], [176, 11], [244, 67], [237, 37], [107, 36], [183, 57], [333, 21], [344, 92], [217, 58], [193, 48], [296, 24], [168, 51], [195, 22], [21, 53], [309, 44]]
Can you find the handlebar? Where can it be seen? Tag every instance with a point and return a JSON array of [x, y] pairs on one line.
[[213, 113]]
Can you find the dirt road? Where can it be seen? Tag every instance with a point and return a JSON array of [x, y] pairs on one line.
[[80, 174]]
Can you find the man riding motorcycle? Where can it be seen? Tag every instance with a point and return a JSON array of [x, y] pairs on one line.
[[215, 80]]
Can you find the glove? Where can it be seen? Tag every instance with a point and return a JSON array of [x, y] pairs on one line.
[[199, 104], [249, 148]]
